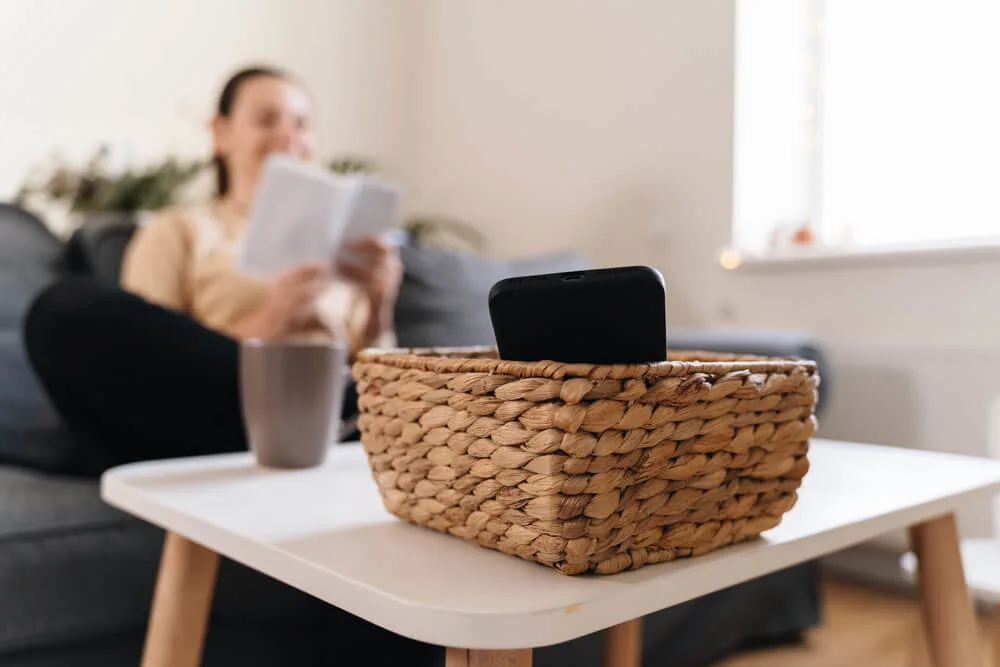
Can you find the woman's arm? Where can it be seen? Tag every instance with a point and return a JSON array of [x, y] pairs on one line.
[[288, 303], [377, 273], [156, 259]]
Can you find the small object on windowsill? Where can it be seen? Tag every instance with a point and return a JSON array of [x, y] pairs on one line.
[[853, 254], [803, 236], [792, 236]]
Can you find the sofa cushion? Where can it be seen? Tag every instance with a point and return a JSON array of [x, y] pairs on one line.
[[443, 298], [63, 552], [31, 432], [73, 568], [97, 248], [29, 259]]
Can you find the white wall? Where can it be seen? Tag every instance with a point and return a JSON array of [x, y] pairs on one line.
[[144, 75], [604, 126], [608, 127]]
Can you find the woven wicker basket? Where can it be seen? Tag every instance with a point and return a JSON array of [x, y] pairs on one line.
[[583, 467]]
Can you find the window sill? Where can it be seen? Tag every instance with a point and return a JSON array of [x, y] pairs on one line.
[[808, 258]]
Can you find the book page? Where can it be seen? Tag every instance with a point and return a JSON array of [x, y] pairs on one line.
[[298, 215]]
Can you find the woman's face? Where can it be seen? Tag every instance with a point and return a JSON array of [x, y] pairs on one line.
[[269, 114]]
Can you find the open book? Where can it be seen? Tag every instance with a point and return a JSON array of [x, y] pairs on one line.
[[304, 213]]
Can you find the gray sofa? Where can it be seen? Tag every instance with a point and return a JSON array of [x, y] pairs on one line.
[[76, 576]]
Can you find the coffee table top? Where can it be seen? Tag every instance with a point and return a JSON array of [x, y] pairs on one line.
[[324, 531]]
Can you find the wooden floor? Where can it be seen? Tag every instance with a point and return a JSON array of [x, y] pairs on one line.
[[862, 627]]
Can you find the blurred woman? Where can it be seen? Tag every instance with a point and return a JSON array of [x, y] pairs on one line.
[[184, 259], [151, 370]]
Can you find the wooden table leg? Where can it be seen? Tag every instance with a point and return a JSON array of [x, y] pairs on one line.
[[181, 602], [948, 614], [463, 657], [996, 636], [623, 644], [919, 657]]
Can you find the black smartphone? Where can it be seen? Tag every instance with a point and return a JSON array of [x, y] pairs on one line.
[[600, 316]]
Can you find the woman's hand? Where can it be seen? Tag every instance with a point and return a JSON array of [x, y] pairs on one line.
[[289, 303], [376, 269]]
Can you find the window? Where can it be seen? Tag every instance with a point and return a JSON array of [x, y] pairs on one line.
[[866, 124]]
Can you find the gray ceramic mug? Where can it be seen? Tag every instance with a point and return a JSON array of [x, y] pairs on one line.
[[292, 394]]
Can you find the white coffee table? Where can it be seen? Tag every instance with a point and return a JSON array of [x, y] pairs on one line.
[[325, 532]]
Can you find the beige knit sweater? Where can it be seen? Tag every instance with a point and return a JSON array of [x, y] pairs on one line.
[[184, 259]]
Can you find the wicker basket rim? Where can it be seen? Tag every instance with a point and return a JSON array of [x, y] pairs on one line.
[[463, 360]]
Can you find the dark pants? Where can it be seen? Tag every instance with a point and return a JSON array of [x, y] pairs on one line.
[[133, 380]]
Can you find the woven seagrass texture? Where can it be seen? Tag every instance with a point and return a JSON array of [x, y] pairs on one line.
[[583, 467]]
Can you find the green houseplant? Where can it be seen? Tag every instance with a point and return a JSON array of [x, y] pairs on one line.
[[97, 189]]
